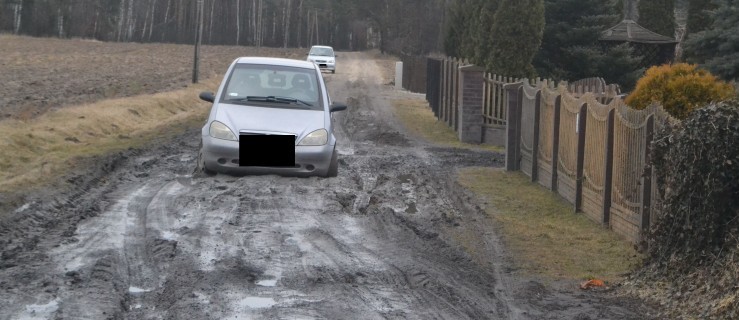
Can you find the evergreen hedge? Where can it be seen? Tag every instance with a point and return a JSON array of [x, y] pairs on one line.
[[696, 163]]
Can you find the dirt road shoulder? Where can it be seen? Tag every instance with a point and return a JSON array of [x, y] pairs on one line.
[[546, 238]]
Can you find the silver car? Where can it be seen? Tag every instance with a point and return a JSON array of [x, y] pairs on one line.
[[324, 57], [270, 116]]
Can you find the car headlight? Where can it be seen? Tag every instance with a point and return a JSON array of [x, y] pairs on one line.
[[315, 138], [219, 130]]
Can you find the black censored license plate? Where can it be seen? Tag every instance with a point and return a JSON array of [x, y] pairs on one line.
[[266, 150]]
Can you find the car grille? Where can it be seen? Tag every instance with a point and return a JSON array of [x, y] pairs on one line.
[[245, 133]]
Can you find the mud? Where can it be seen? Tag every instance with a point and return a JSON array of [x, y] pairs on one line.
[[136, 236]]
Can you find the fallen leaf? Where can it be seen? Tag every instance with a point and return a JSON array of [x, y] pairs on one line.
[[593, 283]]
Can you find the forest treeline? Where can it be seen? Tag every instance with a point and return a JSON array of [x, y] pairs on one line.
[[556, 39], [398, 26]]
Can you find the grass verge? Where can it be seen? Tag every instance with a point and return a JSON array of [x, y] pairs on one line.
[[37, 151], [419, 120], [545, 237]]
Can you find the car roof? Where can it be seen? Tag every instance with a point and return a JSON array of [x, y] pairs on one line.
[[327, 47], [277, 61]]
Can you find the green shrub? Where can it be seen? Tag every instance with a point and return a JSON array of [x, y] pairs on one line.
[[679, 88]]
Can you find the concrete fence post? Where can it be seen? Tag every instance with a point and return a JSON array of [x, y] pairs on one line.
[[469, 119], [513, 125], [608, 169], [647, 179], [535, 147], [555, 142], [444, 90], [581, 132]]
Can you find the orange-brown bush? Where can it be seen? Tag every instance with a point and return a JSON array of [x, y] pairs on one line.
[[679, 88]]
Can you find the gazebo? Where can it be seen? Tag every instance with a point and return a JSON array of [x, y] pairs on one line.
[[654, 48]]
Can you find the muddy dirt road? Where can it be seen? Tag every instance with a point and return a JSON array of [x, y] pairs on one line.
[[138, 237]]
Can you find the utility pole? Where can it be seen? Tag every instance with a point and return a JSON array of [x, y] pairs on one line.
[[198, 40]]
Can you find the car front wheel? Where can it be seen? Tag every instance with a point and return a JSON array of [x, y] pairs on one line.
[[201, 169], [333, 168]]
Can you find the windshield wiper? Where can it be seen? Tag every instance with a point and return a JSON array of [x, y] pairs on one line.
[[275, 99]]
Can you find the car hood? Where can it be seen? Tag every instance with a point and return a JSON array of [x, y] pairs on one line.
[[242, 118]]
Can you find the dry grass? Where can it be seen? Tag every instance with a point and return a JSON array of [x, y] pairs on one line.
[[419, 120], [38, 150], [41, 74], [546, 237]]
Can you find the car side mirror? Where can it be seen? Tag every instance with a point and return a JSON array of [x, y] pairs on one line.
[[337, 107], [336, 56], [207, 96]]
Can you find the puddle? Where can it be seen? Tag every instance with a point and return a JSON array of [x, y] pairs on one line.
[[168, 235], [22, 208], [346, 151], [258, 303], [267, 283], [40, 311], [137, 290]]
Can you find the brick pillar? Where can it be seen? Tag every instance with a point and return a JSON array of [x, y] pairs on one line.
[[471, 81]]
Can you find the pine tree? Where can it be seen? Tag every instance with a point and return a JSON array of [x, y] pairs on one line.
[[515, 37], [570, 47], [698, 15], [619, 65], [717, 48], [471, 19], [455, 31], [658, 16], [483, 31]]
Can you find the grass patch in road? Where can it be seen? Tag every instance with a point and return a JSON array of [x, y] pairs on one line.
[[39, 150], [419, 120], [546, 237]]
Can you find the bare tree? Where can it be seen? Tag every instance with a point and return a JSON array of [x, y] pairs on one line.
[[274, 25], [17, 10], [254, 22], [121, 18], [60, 21], [300, 23], [210, 27], [151, 19], [129, 21], [260, 26], [286, 37], [198, 39], [238, 25], [280, 23]]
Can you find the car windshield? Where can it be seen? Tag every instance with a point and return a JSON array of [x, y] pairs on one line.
[[317, 51], [273, 86]]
